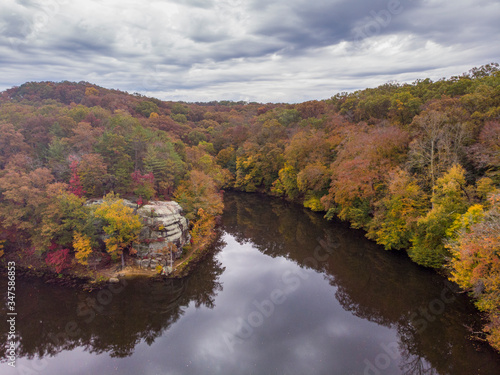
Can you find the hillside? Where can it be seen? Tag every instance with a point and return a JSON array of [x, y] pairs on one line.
[[417, 166]]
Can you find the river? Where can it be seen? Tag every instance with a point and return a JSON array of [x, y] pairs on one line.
[[283, 292]]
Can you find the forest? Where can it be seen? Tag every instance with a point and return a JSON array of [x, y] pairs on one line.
[[416, 166]]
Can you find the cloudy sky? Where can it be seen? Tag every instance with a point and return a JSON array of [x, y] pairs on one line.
[[254, 50]]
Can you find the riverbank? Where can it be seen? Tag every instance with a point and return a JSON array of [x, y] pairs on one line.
[[82, 277]]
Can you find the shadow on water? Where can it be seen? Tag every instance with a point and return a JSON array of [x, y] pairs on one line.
[[431, 319]]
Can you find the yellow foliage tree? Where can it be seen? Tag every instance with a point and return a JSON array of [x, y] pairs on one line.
[[83, 248], [91, 91], [120, 224], [203, 228]]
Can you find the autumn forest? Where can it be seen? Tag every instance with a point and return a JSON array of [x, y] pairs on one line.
[[415, 166]]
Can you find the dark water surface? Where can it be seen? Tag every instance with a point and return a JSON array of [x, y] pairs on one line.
[[284, 292]]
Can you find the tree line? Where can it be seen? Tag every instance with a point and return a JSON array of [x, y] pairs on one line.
[[417, 166]]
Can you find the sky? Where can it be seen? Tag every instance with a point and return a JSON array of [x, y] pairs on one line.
[[251, 50]]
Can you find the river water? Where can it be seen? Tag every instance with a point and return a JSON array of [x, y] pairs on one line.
[[283, 292]]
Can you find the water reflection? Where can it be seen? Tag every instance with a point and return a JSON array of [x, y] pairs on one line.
[[114, 320], [283, 292], [432, 320]]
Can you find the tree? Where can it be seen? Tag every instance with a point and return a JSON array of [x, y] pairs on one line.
[[396, 214], [113, 148], [226, 158], [439, 143], [167, 167], [90, 90], [84, 138], [360, 170], [199, 191], [198, 158], [143, 185], [11, 142], [57, 159], [475, 262], [59, 259], [486, 152], [64, 214], [314, 177], [121, 226], [75, 185], [24, 198], [288, 182], [93, 175], [405, 106], [82, 245], [203, 228], [449, 201]]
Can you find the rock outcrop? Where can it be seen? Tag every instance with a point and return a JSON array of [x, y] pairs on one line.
[[165, 231], [164, 226]]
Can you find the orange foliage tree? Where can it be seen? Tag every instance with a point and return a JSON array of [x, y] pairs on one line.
[[475, 264]]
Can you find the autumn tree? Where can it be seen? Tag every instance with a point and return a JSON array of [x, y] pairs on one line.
[[405, 106], [359, 172], [143, 185], [439, 143], [286, 184], [258, 166], [199, 158], [11, 142], [120, 224], [84, 138], [313, 181], [93, 175], [203, 229], [396, 214], [199, 191], [82, 244], [486, 152], [450, 199], [165, 164], [226, 158], [24, 199], [64, 215], [475, 261]]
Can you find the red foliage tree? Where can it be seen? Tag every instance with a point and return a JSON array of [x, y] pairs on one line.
[[75, 185], [59, 259]]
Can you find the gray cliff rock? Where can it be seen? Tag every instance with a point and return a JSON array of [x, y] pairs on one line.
[[165, 231]]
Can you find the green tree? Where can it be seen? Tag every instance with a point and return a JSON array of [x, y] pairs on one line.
[[146, 107], [166, 165]]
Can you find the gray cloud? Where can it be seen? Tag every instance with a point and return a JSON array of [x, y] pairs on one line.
[[290, 50]]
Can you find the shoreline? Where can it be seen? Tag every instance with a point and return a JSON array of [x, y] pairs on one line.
[[77, 277]]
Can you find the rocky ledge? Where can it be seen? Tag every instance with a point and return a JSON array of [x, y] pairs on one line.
[[165, 231]]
